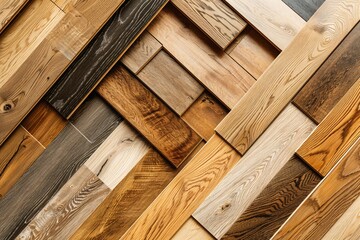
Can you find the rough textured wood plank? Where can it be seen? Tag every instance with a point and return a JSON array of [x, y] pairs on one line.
[[251, 175], [186, 191], [8, 11], [101, 54], [329, 201], [172, 83], [288, 73], [141, 52], [276, 202], [305, 8], [332, 80], [152, 118], [192, 230], [204, 115], [214, 18], [215, 70]]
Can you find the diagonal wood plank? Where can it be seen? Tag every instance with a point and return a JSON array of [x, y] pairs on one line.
[[305, 8], [8, 11], [192, 230]]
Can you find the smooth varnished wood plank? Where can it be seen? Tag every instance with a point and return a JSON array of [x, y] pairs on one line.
[[192, 230], [305, 8], [288, 73], [151, 117], [214, 18], [171, 82], [8, 11]]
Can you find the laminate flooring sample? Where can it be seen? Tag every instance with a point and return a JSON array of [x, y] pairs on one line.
[[8, 11], [305, 8], [192, 230]]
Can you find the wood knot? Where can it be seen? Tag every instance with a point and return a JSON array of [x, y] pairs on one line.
[[6, 106]]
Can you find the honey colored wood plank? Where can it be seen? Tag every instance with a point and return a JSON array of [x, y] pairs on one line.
[[332, 80], [328, 202], [192, 230], [8, 11], [204, 115], [163, 75], [152, 118], [214, 18], [215, 70], [240, 187], [276, 202], [288, 73], [141, 52], [305, 8]]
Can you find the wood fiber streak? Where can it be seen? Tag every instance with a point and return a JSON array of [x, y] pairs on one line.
[[276, 202], [305, 8], [288, 73], [101, 54], [332, 80], [8, 11], [151, 117], [192, 230]]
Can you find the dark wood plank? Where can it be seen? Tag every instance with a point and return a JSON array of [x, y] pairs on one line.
[[304, 8], [101, 54], [149, 115]]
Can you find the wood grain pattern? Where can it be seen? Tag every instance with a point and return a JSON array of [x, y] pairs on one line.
[[214, 18], [251, 175], [329, 201], [101, 54], [192, 230], [276, 202], [163, 75], [288, 73], [152, 118], [187, 190], [305, 8], [332, 80], [8, 11], [215, 70]]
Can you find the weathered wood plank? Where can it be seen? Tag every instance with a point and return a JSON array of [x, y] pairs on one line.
[[305, 8], [8, 11]]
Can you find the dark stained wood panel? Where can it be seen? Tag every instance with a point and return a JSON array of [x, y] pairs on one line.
[[305, 8]]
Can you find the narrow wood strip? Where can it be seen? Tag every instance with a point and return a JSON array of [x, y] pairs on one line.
[[288, 73], [304, 8], [214, 18], [192, 230], [8, 11]]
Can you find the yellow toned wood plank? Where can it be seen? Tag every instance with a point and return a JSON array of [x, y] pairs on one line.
[[8, 11], [192, 230], [288, 73]]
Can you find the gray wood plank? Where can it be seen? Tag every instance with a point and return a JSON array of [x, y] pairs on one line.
[[304, 8]]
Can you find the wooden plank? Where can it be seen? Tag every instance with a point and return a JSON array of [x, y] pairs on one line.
[[328, 202], [152, 118], [215, 70], [8, 11], [252, 174], [186, 191], [141, 52], [304, 8], [288, 73], [192, 230], [204, 115], [272, 18], [276, 202], [101, 54], [214, 18], [163, 75], [332, 80]]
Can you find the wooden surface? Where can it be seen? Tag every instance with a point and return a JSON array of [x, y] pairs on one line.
[[8, 11], [214, 18], [171, 82], [305, 8], [151, 117], [192, 230], [215, 70], [240, 187], [273, 18], [332, 80], [288, 73]]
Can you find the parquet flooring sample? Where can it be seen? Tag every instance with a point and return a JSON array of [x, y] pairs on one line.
[[305, 8], [276, 202], [8, 11], [272, 18], [335, 134], [141, 52], [250, 176], [288, 73], [332, 80], [328, 202], [204, 115], [172, 83], [101, 54], [192, 230], [215, 70], [151, 117], [214, 18]]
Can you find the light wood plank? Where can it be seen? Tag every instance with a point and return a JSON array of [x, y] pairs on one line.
[[8, 11], [288, 73], [192, 230], [305, 8]]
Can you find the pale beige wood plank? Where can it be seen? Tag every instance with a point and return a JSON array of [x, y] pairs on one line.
[[8, 11], [192, 230], [288, 73]]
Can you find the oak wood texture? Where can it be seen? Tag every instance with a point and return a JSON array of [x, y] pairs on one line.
[[288, 73], [141, 52], [151, 117], [171, 82], [8, 11], [276, 202], [101, 54], [249, 177], [187, 190], [332, 80], [305, 8], [214, 18], [215, 70], [272, 18], [328, 202], [192, 230]]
